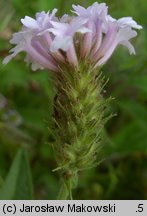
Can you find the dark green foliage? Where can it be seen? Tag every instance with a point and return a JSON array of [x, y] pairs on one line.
[[123, 174], [18, 184]]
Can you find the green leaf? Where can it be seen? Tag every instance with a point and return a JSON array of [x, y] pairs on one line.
[[137, 111], [14, 136], [18, 184], [130, 139], [1, 182], [46, 5], [140, 82], [13, 74], [6, 9]]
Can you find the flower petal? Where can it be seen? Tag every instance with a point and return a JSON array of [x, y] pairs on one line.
[[61, 43], [29, 22], [128, 21]]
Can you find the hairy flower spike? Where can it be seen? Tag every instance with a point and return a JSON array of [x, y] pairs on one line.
[[74, 48]]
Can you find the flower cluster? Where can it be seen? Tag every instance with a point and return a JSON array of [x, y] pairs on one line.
[[90, 33]]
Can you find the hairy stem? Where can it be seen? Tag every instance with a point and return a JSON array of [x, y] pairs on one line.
[[64, 192]]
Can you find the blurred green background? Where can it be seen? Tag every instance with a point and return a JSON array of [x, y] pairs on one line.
[[26, 100]]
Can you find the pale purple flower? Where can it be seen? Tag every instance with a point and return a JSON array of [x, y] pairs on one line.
[[94, 12], [41, 23], [91, 35], [113, 38], [118, 32], [95, 16], [125, 22], [33, 40], [64, 33], [24, 42]]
